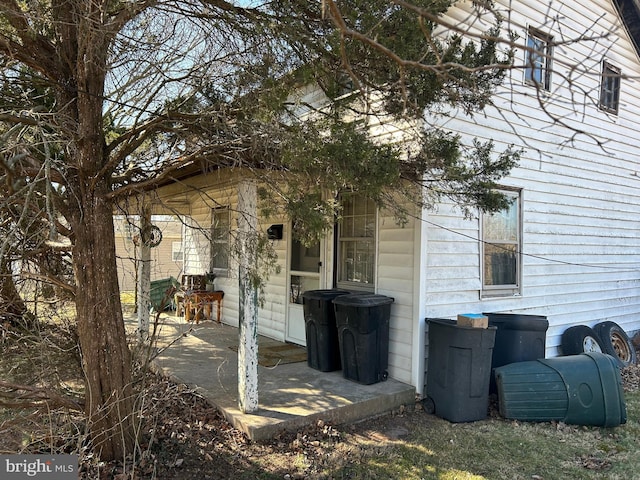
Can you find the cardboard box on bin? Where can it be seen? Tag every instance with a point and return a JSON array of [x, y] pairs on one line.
[[475, 320]]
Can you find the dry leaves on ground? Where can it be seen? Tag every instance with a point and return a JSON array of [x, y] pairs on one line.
[[189, 439]]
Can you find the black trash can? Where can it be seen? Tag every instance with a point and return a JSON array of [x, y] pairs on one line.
[[519, 338], [458, 371], [363, 333], [323, 349]]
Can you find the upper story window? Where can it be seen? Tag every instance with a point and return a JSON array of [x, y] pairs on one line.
[[501, 246], [220, 233], [357, 243], [610, 88], [537, 60]]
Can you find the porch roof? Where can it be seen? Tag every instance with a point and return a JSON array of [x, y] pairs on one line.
[[291, 395]]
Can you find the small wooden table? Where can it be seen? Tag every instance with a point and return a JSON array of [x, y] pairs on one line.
[[200, 302]]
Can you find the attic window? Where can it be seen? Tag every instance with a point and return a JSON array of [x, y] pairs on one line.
[[343, 86], [537, 60], [610, 88]]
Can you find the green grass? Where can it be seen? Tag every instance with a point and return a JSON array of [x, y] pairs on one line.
[[501, 449]]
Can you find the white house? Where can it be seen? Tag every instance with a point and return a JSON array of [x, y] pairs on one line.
[[572, 229], [166, 257]]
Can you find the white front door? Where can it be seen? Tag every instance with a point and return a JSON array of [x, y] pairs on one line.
[[305, 264]]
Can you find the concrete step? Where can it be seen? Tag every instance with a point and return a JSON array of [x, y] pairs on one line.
[[290, 395]]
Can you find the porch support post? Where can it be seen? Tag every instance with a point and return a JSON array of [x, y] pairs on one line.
[[144, 280], [248, 332]]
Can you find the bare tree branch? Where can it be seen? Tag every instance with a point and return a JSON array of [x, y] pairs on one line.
[[14, 395]]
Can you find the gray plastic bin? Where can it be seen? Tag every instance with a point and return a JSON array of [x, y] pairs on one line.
[[458, 371]]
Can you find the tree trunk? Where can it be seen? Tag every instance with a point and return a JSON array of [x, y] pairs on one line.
[[12, 304], [82, 65], [105, 354]]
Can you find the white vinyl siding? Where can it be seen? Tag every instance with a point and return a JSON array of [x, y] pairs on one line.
[[397, 268], [213, 191], [581, 247]]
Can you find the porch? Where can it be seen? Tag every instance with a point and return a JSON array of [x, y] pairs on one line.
[[291, 395]]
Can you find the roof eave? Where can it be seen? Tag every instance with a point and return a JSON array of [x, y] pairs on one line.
[[629, 11]]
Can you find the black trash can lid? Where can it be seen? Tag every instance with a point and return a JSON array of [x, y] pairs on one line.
[[327, 294], [518, 321], [442, 321], [363, 300]]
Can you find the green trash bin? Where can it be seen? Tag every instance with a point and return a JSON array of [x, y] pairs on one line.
[[583, 389], [160, 293]]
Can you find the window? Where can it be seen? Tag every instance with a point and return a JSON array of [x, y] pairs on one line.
[[356, 243], [126, 227], [538, 59], [501, 247], [129, 228], [220, 231], [305, 269], [176, 252], [610, 88]]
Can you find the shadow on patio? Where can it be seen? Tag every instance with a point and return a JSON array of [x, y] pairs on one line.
[[290, 395]]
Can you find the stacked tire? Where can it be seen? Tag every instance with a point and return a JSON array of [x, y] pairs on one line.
[[605, 337]]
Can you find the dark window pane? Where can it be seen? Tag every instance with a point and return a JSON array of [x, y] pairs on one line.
[[610, 88], [500, 264], [305, 259]]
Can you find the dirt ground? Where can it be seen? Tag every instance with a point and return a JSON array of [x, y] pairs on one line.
[[188, 439]]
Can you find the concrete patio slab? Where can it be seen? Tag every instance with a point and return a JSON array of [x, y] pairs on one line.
[[291, 395]]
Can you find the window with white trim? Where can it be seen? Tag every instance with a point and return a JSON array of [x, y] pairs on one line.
[[610, 88], [537, 61], [220, 234], [356, 243], [501, 247], [177, 255]]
